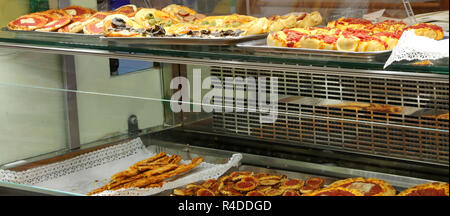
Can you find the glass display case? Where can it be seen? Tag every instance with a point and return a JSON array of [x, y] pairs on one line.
[[65, 96]]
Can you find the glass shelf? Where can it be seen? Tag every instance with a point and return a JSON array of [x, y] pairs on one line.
[[230, 53]]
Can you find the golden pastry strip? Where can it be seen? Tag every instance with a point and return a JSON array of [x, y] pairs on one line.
[[149, 173]]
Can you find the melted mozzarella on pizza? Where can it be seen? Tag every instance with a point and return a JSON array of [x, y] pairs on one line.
[[71, 12], [361, 186], [27, 21]]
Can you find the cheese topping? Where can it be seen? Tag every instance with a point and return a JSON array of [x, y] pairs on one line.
[[71, 12], [27, 21], [361, 186]]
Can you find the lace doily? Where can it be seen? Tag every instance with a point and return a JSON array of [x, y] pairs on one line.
[[412, 47], [84, 173]]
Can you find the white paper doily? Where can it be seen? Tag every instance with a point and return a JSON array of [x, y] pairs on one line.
[[89, 171], [412, 47]]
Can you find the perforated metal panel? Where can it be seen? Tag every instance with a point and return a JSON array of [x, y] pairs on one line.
[[304, 118]]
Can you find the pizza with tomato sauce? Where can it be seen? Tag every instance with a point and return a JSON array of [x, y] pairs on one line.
[[56, 24], [28, 23], [428, 189], [368, 187]]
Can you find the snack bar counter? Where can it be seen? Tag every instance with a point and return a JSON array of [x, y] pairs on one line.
[[185, 101]]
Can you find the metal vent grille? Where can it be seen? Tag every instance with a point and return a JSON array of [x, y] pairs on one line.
[[414, 134]]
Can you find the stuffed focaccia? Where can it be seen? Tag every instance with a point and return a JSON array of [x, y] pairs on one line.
[[149, 17], [309, 20], [119, 25], [295, 20], [182, 13]]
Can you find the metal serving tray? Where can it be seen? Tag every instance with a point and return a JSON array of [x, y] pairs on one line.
[[182, 40], [261, 46], [28, 34]]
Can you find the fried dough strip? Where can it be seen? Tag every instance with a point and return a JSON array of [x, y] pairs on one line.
[[147, 174], [98, 190], [174, 159], [132, 171], [143, 182]]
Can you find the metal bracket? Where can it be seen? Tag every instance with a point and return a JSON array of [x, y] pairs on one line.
[[133, 127]]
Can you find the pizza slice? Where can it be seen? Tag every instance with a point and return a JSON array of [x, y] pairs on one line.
[[78, 11], [56, 24], [27, 23], [427, 189], [368, 187], [58, 13]]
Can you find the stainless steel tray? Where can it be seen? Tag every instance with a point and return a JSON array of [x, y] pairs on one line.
[[182, 40], [28, 34], [261, 46]]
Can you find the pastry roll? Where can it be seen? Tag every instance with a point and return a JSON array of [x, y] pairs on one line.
[[277, 39], [283, 22], [391, 39], [347, 43], [311, 42], [309, 20], [259, 26], [371, 45], [428, 30]]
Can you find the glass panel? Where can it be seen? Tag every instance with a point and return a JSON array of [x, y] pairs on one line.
[[36, 105]]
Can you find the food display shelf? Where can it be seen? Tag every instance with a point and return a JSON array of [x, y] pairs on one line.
[[209, 55], [251, 162]]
